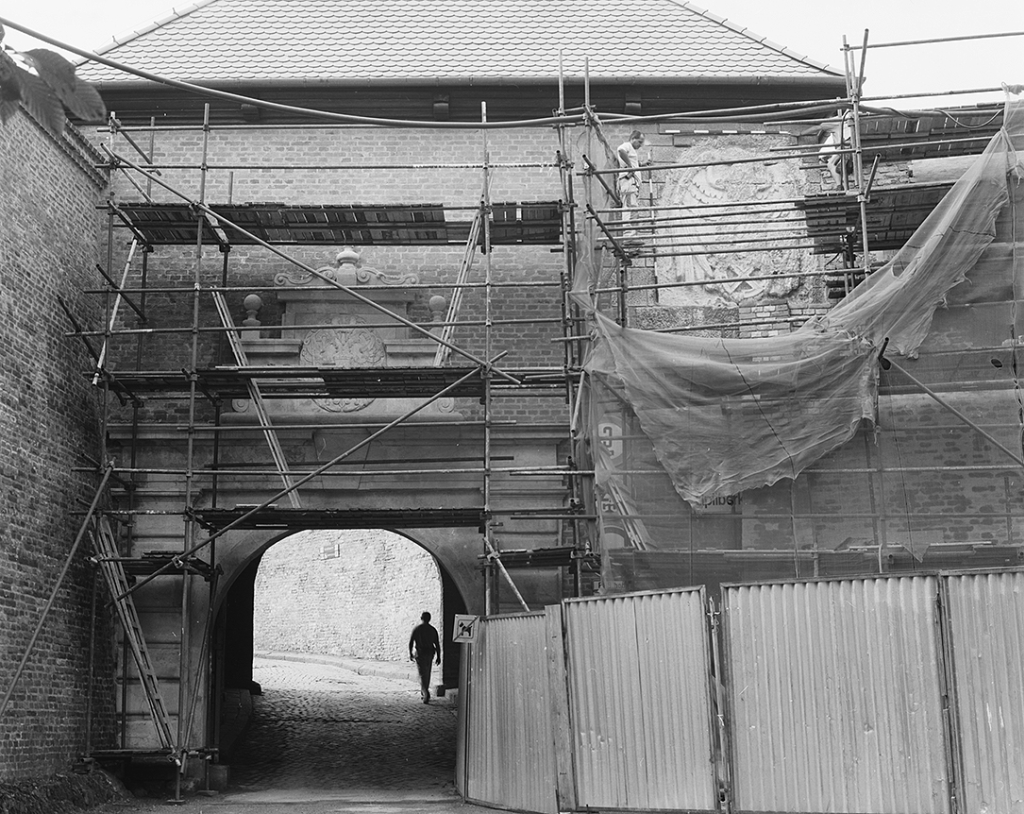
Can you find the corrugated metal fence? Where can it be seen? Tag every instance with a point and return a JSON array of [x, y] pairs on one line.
[[509, 753], [986, 615], [834, 697], [892, 694], [639, 700]]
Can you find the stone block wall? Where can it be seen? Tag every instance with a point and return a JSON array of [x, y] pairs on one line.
[[48, 433], [344, 593]]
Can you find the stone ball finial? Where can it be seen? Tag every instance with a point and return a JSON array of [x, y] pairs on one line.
[[438, 308], [348, 257], [252, 305]]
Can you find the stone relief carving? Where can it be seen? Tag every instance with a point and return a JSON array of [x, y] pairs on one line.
[[348, 270], [343, 347], [722, 184]]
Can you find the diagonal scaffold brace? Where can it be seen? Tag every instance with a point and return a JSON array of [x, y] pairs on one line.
[[222, 221], [177, 561]]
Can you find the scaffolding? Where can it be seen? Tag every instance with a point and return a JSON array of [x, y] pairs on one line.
[[847, 229], [655, 534]]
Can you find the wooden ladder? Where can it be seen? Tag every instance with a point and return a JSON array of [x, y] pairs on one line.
[[257, 399], [448, 330], [117, 582]]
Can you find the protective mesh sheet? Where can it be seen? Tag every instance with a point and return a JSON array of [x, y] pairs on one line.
[[722, 459]]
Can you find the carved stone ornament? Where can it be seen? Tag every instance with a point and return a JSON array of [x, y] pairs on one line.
[[343, 347], [347, 270], [723, 184]]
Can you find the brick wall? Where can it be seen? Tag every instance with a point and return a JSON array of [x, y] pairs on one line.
[[344, 593], [526, 319], [48, 428]]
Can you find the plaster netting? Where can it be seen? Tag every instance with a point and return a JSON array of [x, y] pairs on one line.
[[723, 458]]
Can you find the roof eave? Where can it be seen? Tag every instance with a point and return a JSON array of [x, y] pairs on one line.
[[824, 81]]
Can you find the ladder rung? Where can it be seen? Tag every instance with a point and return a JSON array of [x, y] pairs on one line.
[[256, 396], [117, 582]]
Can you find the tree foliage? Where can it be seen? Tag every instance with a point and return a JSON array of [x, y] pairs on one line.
[[45, 87]]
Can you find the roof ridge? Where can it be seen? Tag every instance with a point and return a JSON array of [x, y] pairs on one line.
[[417, 40], [746, 32], [121, 39]]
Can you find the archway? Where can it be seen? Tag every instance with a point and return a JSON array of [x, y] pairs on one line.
[[337, 596]]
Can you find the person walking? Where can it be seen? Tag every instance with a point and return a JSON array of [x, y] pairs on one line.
[[424, 645]]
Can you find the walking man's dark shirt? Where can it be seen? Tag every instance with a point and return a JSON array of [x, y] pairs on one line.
[[427, 647]]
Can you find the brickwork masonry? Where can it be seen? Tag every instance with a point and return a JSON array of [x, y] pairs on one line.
[[48, 428], [344, 593]]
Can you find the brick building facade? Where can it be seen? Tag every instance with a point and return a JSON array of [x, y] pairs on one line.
[[188, 457], [49, 430]]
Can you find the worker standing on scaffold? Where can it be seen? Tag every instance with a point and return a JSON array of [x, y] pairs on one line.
[[628, 185], [835, 135]]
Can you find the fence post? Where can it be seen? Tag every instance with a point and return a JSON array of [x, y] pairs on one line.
[[558, 694], [947, 686]]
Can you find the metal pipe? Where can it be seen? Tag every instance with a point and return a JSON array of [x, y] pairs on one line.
[[754, 204], [936, 40], [338, 167], [91, 681], [685, 240], [770, 159], [113, 312], [204, 646], [947, 406], [561, 85], [821, 516], [488, 315], [175, 562], [152, 154], [687, 225], [185, 640], [643, 253], [218, 428], [495, 557], [305, 267], [263, 473], [779, 275], [53, 594], [273, 289], [243, 329], [120, 292]]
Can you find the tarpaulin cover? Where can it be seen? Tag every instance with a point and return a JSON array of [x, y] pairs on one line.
[[724, 415]]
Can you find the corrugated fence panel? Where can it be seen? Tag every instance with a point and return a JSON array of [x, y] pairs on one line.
[[834, 697], [639, 701], [509, 752], [987, 625]]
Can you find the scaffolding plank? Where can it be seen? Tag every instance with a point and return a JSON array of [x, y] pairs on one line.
[[337, 225], [893, 215], [271, 517], [168, 224], [309, 382], [964, 132]]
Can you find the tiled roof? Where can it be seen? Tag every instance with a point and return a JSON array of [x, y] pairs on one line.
[[325, 41]]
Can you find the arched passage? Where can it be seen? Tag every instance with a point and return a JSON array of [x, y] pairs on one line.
[[352, 594]]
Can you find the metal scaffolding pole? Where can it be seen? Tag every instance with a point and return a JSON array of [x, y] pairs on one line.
[[177, 561], [201, 206]]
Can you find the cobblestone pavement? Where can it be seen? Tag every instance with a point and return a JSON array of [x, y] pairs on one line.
[[318, 726], [324, 738]]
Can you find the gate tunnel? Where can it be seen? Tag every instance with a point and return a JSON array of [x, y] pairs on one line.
[[233, 681]]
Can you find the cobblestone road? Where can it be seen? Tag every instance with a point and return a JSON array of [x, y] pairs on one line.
[[318, 726], [325, 739]]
